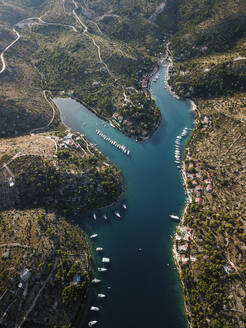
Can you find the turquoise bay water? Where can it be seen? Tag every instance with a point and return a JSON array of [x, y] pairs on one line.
[[144, 287]]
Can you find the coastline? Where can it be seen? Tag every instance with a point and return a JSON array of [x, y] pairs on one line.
[[123, 189], [188, 200]]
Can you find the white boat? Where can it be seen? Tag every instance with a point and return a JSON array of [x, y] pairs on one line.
[[105, 217], [175, 217], [94, 308], [117, 214], [101, 295], [94, 235], [102, 269], [99, 249], [94, 216], [124, 205], [105, 260], [95, 281], [92, 323], [128, 152]]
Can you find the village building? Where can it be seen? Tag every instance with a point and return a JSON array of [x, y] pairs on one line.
[[198, 200]]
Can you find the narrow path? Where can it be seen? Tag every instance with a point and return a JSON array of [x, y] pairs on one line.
[[37, 130], [9, 46], [99, 55], [14, 245], [158, 11], [99, 18], [78, 19], [58, 24], [88, 34], [37, 296]]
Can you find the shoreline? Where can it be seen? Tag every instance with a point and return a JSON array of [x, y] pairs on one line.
[[183, 173], [188, 197]]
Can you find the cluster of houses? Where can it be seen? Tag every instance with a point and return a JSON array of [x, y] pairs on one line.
[[67, 141], [128, 125], [183, 240], [205, 123], [199, 184], [146, 77]]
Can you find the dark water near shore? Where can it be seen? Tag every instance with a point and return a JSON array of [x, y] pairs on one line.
[[145, 291]]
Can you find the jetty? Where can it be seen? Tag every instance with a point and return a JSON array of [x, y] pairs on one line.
[[177, 152], [113, 142]]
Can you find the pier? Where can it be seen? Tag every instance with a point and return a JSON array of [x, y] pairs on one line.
[[113, 143]]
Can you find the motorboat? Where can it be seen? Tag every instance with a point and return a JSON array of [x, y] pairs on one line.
[[175, 217], [105, 260], [99, 249], [94, 235], [94, 308], [102, 269], [92, 323], [117, 214], [124, 206], [94, 216], [105, 217], [95, 281], [101, 295]]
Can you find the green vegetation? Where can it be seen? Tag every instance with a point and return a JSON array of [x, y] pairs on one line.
[[208, 49]]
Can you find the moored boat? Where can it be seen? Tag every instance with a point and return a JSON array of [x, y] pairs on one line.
[[117, 214], [94, 308], [92, 323], [99, 249], [95, 281], [94, 235], [101, 295], [105, 260], [102, 269], [175, 217]]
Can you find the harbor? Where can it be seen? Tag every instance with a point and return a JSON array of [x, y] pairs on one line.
[[178, 146], [113, 143], [141, 280]]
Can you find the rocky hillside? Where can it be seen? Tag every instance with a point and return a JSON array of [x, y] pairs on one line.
[[209, 52]]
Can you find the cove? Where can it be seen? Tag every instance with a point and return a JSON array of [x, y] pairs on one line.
[[144, 287]]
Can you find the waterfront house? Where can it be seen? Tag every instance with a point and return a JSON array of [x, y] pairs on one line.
[[118, 117], [184, 259]]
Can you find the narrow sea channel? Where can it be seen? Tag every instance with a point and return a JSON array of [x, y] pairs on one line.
[[144, 287]]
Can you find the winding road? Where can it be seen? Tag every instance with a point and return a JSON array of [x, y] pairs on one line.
[[88, 34], [9, 46], [37, 296], [38, 130]]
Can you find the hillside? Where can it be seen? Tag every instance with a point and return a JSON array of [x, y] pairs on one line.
[[102, 54], [73, 42], [208, 49]]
